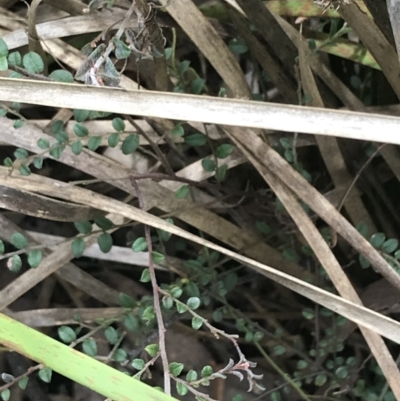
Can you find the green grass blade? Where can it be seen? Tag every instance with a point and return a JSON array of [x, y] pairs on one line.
[[75, 365]]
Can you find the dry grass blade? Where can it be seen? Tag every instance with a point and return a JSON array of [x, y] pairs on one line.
[[242, 113], [363, 316]]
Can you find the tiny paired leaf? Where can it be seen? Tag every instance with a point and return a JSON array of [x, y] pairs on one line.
[[84, 227], [104, 223], [221, 172], [208, 164], [77, 147], [34, 258], [206, 371], [126, 301], [193, 303], [167, 302], [78, 247], [130, 144], [89, 347], [178, 130], [113, 140], [45, 374], [176, 368], [105, 242], [66, 334], [80, 130], [62, 76], [197, 323], [111, 335], [120, 355], [152, 349], [19, 241], [181, 389], [377, 240], [140, 245], [145, 277], [33, 63], [20, 154], [157, 257], [43, 143], [81, 115], [197, 139], [5, 394], [182, 192], [94, 142], [14, 263], [138, 364], [25, 170], [23, 382], [223, 150], [131, 323], [118, 124]]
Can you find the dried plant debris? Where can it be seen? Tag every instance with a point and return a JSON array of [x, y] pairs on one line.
[[327, 4]]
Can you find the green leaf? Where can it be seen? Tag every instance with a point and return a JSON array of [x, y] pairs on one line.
[[148, 314], [196, 323], [342, 372], [362, 228], [111, 335], [176, 368], [126, 301], [77, 147], [308, 313], [263, 228], [66, 334], [3, 63], [105, 242], [19, 241], [275, 396], [104, 223], [197, 139], [224, 150], [113, 140], [302, 364], [285, 143], [23, 382], [289, 156], [217, 315], [131, 323], [57, 126], [181, 308], [118, 124], [208, 164], [14, 263], [178, 130], [167, 302], [8, 162], [121, 51], [89, 347], [206, 371], [397, 254], [165, 235], [80, 130], [278, 350], [138, 364], [62, 76], [130, 144], [193, 303], [18, 124], [45, 374], [197, 86], [24, 170], [320, 380], [15, 58], [94, 142], [238, 46], [84, 227], [157, 257], [183, 66], [191, 376], [377, 240], [5, 394], [364, 262], [2, 247], [390, 245], [120, 355], [182, 192], [176, 292], [290, 255], [33, 63], [34, 258], [62, 136], [140, 245], [152, 349], [78, 247], [181, 389], [81, 115], [20, 154], [43, 143], [145, 277], [3, 48], [3, 112], [221, 172], [38, 162]]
